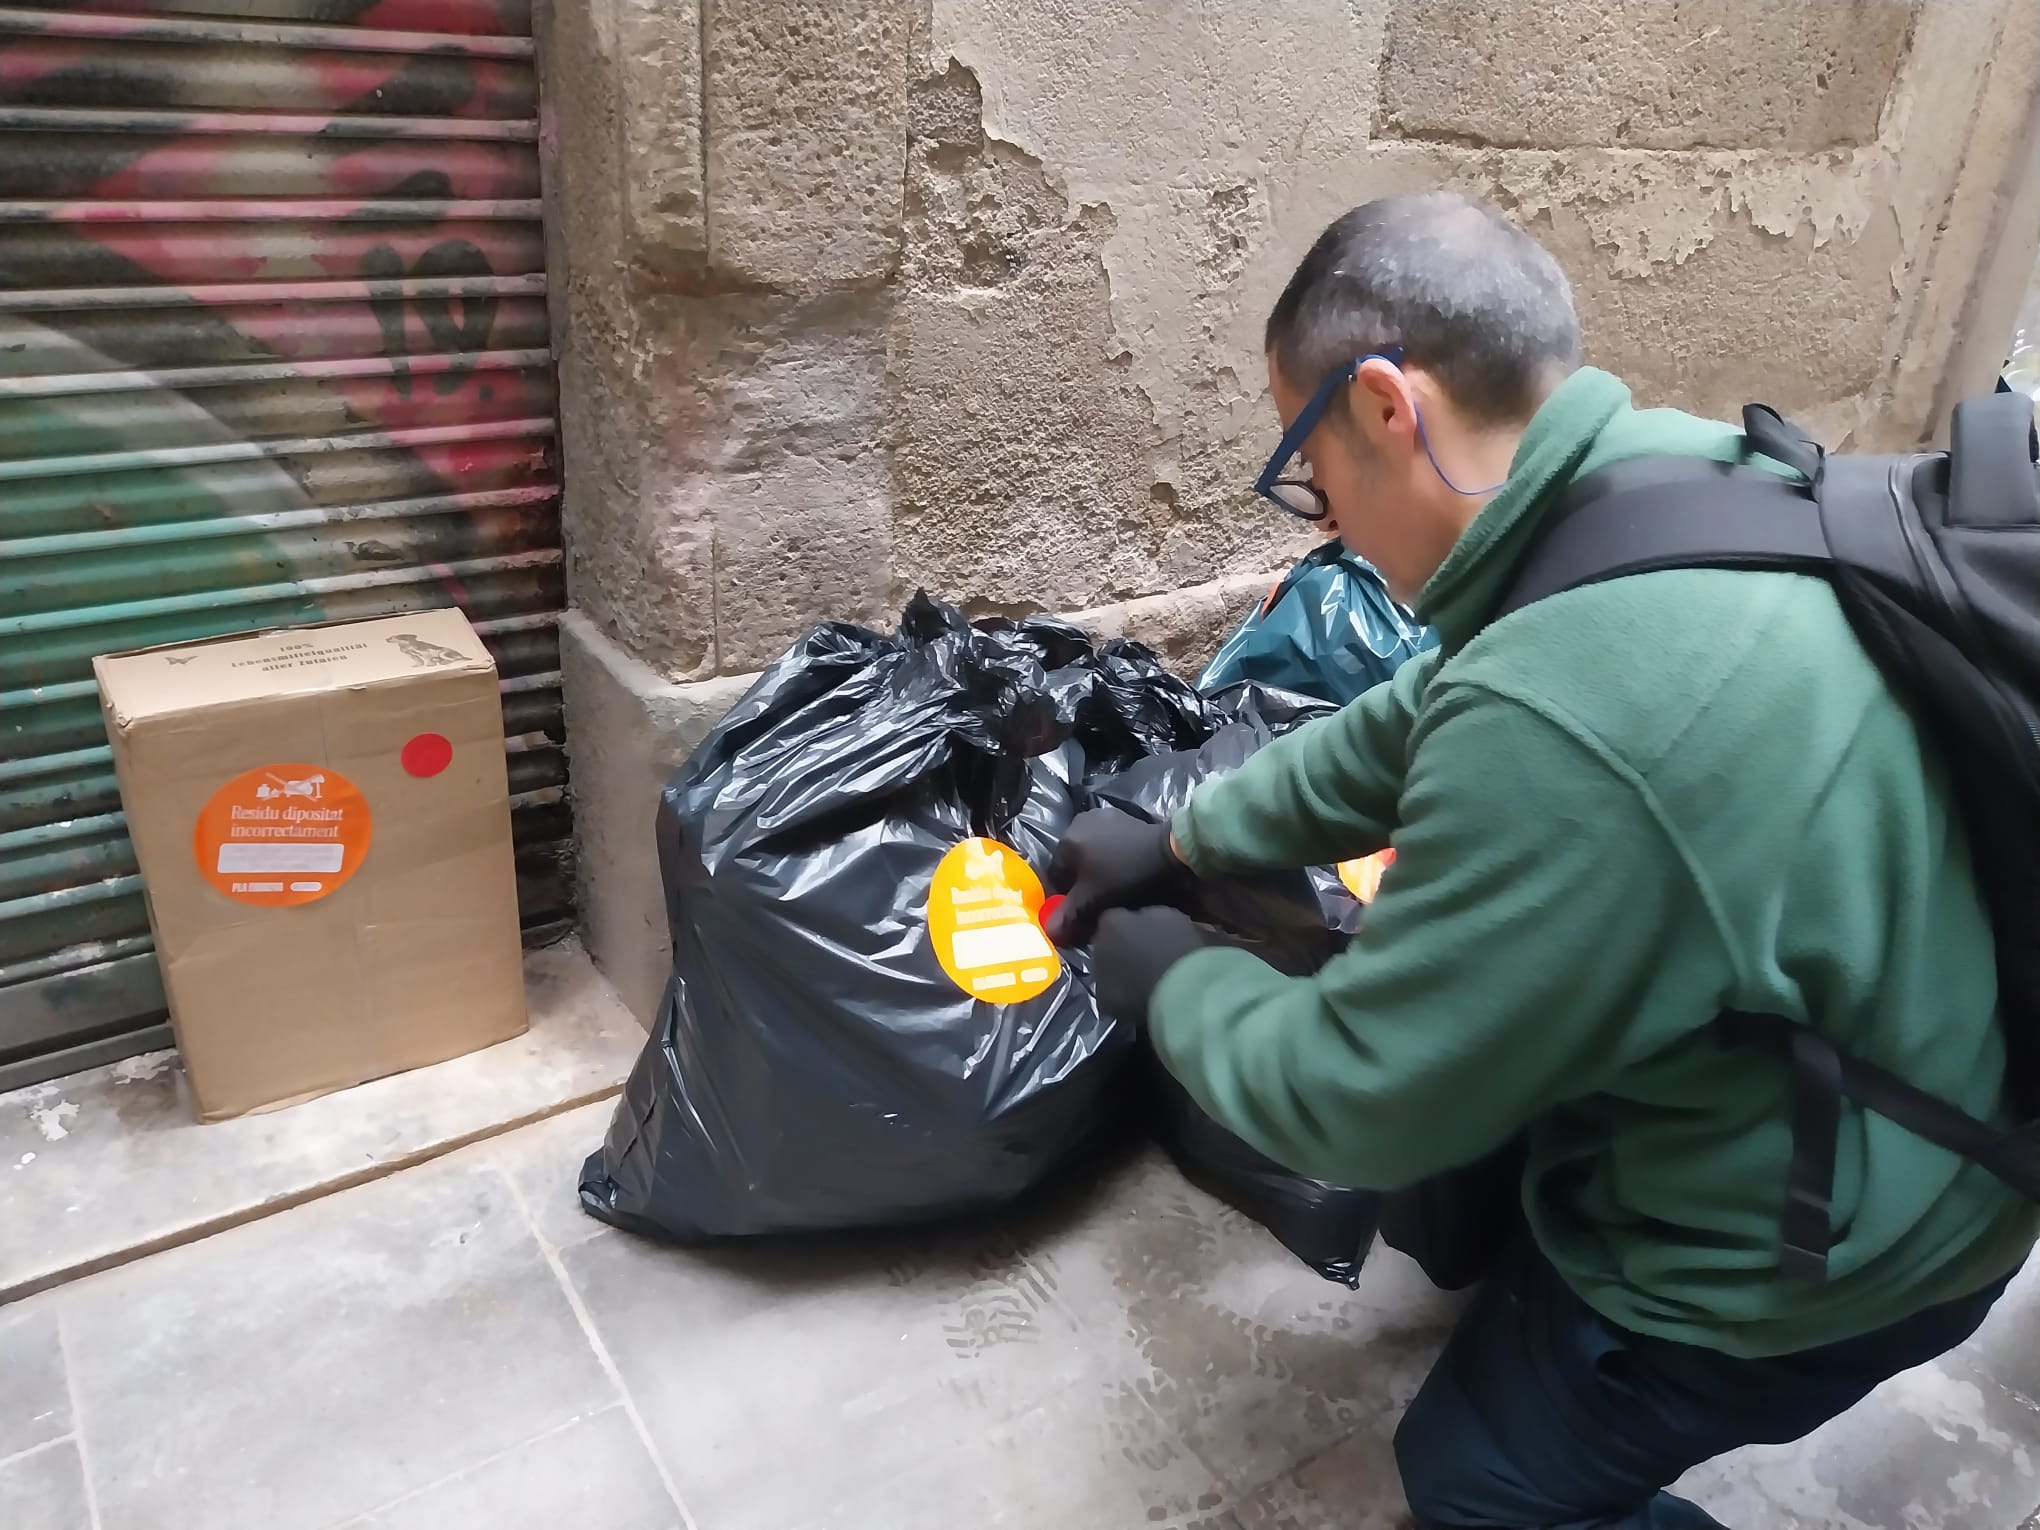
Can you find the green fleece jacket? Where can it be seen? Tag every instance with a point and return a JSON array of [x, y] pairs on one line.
[[1616, 813]]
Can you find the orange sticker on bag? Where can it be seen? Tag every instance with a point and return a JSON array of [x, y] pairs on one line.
[[282, 835], [1363, 876], [983, 911]]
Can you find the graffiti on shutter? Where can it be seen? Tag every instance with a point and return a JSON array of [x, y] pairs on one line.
[[273, 349]]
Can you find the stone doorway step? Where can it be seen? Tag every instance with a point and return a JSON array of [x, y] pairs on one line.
[[108, 1166]]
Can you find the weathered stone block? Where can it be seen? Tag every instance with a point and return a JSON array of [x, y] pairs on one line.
[[1703, 284], [1779, 75], [628, 730], [1021, 451], [659, 62], [745, 381], [1685, 336], [807, 540], [580, 137], [1019, 444], [1039, 465], [807, 137], [774, 445], [637, 561], [1184, 626], [726, 471], [621, 108]]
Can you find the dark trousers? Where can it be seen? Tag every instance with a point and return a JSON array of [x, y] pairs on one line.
[[1541, 1413]]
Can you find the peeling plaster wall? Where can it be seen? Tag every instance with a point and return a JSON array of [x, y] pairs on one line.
[[1716, 74], [1184, 133], [967, 293]]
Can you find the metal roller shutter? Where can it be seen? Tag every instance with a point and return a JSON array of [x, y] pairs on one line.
[[273, 349]]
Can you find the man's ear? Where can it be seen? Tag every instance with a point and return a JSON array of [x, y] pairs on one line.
[[1379, 402]]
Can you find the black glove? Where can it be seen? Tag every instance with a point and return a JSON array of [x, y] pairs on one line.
[[1133, 952], [1109, 860]]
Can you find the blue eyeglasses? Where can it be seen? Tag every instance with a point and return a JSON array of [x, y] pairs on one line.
[[1304, 499], [1299, 496]]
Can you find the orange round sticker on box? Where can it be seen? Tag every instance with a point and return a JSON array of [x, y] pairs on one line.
[[282, 835], [982, 916], [1363, 876]]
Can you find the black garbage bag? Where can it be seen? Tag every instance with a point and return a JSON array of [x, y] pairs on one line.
[[1296, 922], [1327, 1226], [865, 1024]]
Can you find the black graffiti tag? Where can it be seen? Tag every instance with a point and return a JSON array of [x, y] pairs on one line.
[[466, 332]]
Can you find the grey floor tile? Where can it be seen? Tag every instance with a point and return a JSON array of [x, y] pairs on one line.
[[35, 1400], [594, 1473], [1352, 1485], [114, 1159], [1056, 1465], [320, 1363], [544, 1161], [1933, 1450], [2006, 1348], [1255, 1361], [45, 1490], [918, 1383], [1929, 1450]]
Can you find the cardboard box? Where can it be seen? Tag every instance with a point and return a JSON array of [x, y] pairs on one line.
[[322, 817]]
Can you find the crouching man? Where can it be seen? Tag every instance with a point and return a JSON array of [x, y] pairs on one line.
[[1617, 813]]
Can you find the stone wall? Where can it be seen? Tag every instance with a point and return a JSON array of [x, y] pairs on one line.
[[855, 296]]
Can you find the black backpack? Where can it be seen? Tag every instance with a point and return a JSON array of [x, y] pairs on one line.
[[1936, 560]]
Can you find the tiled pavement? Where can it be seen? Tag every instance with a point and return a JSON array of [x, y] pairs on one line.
[[105, 1164], [458, 1346]]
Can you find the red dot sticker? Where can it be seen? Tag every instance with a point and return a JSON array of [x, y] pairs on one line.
[[1049, 905], [427, 754]]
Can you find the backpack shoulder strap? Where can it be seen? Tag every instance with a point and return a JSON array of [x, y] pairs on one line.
[[1653, 513], [1656, 513], [1821, 1074], [1993, 443]]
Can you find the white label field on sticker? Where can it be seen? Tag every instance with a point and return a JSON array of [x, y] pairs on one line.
[[1002, 945], [327, 857]]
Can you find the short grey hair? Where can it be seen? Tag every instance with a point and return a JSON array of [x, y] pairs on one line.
[[1470, 297]]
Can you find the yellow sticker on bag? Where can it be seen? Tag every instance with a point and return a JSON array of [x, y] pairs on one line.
[[1363, 876], [984, 910]]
